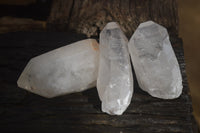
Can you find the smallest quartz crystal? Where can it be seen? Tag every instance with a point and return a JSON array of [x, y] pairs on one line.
[[115, 81]]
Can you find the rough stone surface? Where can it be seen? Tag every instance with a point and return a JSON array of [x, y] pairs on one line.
[[72, 68], [114, 82], [154, 61]]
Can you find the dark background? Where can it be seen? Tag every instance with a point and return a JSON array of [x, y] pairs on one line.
[[189, 31]]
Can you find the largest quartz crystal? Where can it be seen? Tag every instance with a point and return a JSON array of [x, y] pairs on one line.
[[154, 61], [72, 68], [114, 82]]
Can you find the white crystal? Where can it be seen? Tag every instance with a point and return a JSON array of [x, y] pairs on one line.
[[72, 68], [154, 61], [115, 81]]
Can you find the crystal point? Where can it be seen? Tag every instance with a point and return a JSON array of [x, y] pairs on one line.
[[156, 67], [115, 81], [72, 68]]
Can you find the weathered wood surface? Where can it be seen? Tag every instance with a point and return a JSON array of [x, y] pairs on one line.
[[12, 24], [21, 111], [90, 16]]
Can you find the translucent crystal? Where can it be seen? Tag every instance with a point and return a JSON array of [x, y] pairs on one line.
[[114, 82], [154, 61], [72, 68]]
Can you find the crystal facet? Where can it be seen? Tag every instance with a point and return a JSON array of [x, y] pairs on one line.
[[154, 61], [72, 68], [115, 81]]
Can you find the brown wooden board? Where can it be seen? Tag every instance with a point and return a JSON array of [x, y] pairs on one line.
[[22, 111], [90, 16]]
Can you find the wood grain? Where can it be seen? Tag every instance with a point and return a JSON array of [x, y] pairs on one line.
[[90, 16], [21, 111]]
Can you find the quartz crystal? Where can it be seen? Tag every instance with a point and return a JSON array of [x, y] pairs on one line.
[[72, 68], [115, 81], [154, 61]]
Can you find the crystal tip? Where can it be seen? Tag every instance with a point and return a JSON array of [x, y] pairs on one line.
[[147, 23], [112, 25]]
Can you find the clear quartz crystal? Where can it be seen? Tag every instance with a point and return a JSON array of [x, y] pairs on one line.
[[154, 61], [72, 68], [115, 81]]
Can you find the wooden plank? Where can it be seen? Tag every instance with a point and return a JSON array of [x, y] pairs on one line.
[[21, 111], [90, 16]]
